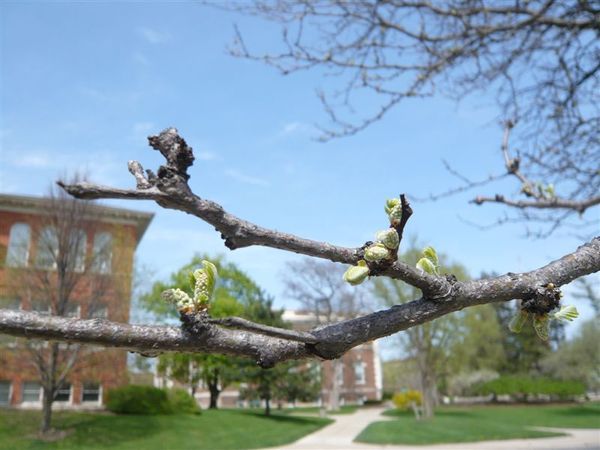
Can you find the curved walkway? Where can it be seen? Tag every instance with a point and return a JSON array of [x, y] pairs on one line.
[[340, 435]]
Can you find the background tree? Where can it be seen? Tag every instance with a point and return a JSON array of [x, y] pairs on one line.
[[428, 344], [235, 294], [538, 59], [320, 289], [69, 278]]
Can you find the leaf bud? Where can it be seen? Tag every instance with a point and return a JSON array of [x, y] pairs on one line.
[[357, 274], [376, 252], [389, 238]]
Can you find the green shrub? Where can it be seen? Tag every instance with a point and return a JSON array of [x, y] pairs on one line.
[[134, 399], [523, 386], [182, 402]]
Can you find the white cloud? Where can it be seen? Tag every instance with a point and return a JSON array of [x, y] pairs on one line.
[[153, 36], [293, 128], [33, 160], [243, 178], [141, 130], [206, 156]]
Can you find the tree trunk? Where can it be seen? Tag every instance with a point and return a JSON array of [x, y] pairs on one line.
[[334, 392], [267, 406], [48, 399], [213, 387], [429, 389]]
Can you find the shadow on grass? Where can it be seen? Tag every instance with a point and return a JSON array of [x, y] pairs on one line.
[[107, 430], [281, 418]]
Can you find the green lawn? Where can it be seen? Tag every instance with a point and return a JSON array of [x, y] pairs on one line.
[[222, 429], [480, 423]]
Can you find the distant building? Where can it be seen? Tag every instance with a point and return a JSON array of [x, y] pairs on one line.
[[361, 375], [360, 378], [97, 369]]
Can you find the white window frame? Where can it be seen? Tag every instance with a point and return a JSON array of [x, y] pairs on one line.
[[18, 247], [360, 368], [80, 252], [31, 402], [95, 312], [91, 402], [70, 399], [10, 392], [102, 252], [47, 235]]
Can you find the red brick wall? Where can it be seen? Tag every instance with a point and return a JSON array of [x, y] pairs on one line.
[[108, 367]]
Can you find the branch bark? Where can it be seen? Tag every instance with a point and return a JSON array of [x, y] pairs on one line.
[[328, 342]]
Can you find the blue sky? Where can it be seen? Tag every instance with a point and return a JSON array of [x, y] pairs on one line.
[[83, 84]]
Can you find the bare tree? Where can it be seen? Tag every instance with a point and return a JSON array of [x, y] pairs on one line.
[[319, 287], [540, 59], [267, 345], [67, 279]]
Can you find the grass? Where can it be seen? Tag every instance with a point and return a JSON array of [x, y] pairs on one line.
[[480, 423], [221, 429]]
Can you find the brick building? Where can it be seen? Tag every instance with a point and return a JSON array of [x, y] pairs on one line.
[[23, 223], [359, 374]]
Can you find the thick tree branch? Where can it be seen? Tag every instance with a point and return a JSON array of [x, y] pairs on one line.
[[171, 190], [330, 341]]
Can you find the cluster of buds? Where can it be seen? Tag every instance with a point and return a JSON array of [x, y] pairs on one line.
[[385, 246], [541, 317], [203, 282], [429, 262]]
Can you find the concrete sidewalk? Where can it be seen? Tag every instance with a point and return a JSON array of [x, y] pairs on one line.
[[340, 435]]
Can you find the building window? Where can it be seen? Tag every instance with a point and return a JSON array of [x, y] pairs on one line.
[[10, 303], [41, 307], [91, 392], [5, 392], [32, 391], [360, 374], [99, 311], [338, 368], [18, 245], [47, 249], [77, 249], [72, 310], [102, 253], [63, 394]]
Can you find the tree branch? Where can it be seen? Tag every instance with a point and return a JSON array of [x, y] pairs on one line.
[[330, 341], [170, 190]]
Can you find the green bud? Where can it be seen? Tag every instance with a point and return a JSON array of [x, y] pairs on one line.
[[357, 274], [517, 322], [541, 325], [389, 238], [566, 313], [431, 255], [376, 252], [206, 279], [393, 208], [178, 297], [427, 266]]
